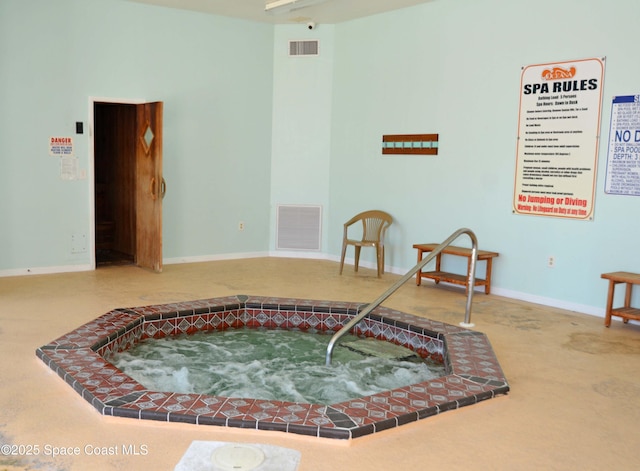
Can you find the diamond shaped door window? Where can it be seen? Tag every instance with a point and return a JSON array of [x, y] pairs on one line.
[[147, 138]]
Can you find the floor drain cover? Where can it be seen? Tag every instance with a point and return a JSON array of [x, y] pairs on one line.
[[229, 456], [236, 457]]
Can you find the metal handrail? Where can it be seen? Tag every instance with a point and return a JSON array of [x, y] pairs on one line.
[[370, 307]]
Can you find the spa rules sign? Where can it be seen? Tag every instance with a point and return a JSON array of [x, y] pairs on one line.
[[558, 134]]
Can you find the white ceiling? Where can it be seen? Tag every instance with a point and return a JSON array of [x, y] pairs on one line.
[[330, 12]]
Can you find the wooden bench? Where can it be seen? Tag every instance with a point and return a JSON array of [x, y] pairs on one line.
[[626, 312], [456, 279]]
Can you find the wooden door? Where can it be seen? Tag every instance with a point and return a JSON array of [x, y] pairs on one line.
[[149, 186]]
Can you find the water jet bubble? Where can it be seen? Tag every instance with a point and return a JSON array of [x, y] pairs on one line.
[[273, 365]]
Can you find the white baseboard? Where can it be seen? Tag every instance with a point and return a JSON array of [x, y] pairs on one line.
[[551, 302], [214, 258], [44, 270], [542, 300], [300, 254], [530, 298]]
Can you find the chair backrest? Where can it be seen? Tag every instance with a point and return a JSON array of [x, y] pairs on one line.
[[374, 224]]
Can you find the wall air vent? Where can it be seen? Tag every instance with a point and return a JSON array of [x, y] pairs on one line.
[[304, 48], [298, 227]]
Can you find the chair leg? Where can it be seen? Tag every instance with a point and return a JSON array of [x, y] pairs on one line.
[[379, 260], [344, 251], [357, 247]]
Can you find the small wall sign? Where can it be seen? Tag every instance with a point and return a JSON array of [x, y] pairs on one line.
[[60, 146]]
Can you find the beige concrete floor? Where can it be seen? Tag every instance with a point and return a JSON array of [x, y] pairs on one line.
[[574, 400]]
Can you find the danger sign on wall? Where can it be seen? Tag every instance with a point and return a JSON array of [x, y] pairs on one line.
[[61, 146]]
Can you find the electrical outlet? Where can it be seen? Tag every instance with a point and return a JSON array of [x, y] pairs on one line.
[[551, 261], [241, 226]]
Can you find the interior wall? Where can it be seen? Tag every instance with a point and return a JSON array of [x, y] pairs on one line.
[[300, 161], [453, 68], [215, 77], [232, 99]]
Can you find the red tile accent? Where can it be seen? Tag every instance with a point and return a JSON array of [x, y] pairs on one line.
[[79, 358]]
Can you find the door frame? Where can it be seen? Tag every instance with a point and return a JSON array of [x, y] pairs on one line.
[[91, 167]]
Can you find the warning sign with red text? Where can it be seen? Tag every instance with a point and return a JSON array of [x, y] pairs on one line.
[[60, 146], [558, 134]]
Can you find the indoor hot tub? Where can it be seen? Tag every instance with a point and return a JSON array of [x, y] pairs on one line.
[[472, 372]]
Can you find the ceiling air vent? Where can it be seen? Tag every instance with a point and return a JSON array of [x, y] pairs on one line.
[[303, 48]]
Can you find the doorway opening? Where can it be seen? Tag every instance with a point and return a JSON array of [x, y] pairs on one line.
[[115, 183], [128, 183]]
